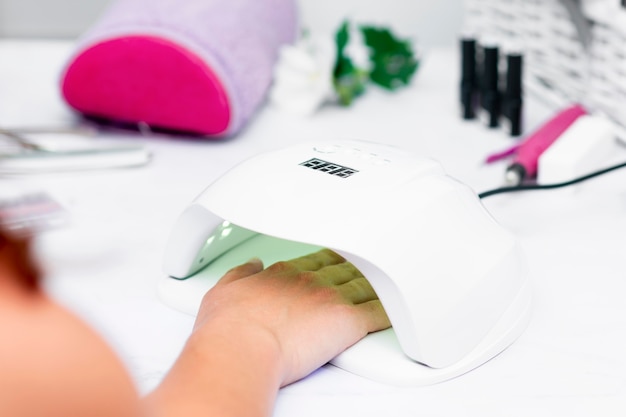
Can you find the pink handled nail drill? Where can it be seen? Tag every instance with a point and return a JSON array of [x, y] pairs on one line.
[[527, 154], [196, 66]]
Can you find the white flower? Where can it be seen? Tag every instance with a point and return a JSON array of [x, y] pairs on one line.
[[303, 76]]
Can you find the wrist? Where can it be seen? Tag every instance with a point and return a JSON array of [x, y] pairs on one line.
[[236, 338], [226, 368]]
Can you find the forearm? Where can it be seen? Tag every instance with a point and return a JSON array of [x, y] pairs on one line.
[[222, 372]]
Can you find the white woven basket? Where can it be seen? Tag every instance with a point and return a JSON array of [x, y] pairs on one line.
[[574, 51]]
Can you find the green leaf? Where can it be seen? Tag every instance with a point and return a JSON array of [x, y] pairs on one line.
[[394, 63], [342, 37], [349, 81]]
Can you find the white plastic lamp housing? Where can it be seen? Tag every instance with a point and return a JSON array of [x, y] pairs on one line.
[[451, 280]]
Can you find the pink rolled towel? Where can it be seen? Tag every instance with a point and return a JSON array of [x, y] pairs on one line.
[[196, 66]]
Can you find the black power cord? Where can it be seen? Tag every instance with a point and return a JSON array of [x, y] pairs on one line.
[[526, 187]]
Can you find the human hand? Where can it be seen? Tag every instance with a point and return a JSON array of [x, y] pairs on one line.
[[311, 309]]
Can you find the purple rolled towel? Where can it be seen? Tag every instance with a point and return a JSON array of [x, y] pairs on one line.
[[197, 66]]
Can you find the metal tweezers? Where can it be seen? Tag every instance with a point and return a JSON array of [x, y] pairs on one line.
[[35, 157]]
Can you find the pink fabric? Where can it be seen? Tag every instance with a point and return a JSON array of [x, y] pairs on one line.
[[201, 66]]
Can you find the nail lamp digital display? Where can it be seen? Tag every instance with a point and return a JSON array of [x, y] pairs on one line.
[[450, 278]]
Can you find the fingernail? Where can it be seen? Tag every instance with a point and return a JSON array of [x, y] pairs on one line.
[[255, 261]]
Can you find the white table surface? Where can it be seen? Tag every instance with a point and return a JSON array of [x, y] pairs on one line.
[[105, 264]]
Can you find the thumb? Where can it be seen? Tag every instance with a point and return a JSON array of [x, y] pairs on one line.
[[253, 266]]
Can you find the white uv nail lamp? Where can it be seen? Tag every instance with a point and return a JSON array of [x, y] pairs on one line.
[[451, 280]]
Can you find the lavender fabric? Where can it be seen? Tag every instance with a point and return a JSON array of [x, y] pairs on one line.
[[238, 39]]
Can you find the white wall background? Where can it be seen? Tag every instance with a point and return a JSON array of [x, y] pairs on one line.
[[431, 22]]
